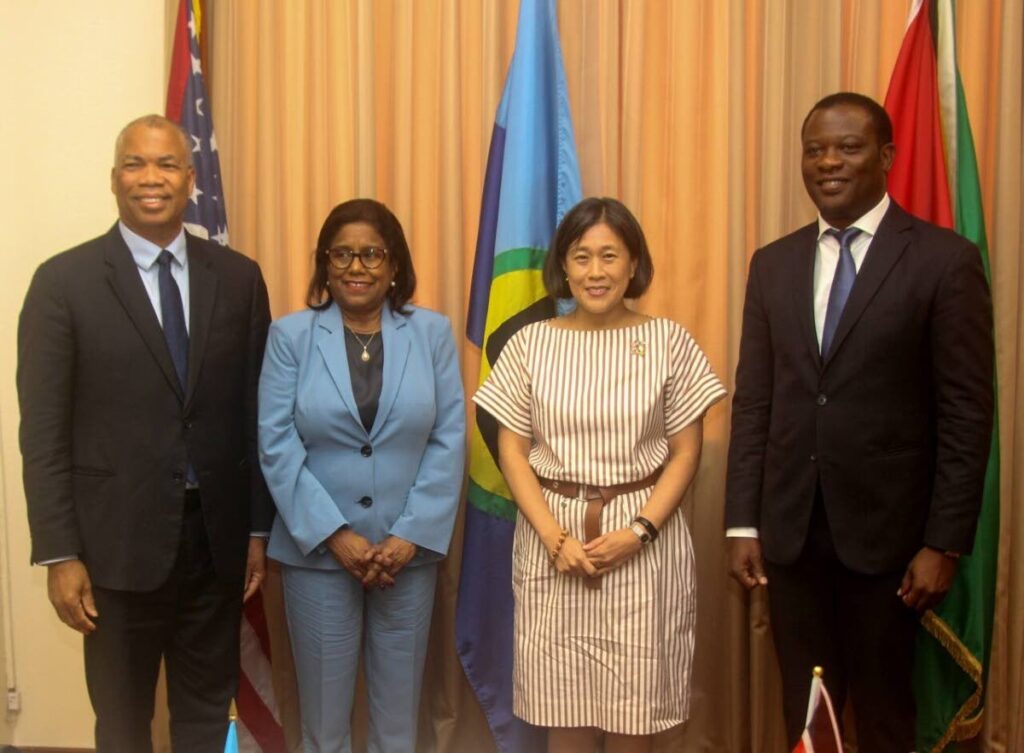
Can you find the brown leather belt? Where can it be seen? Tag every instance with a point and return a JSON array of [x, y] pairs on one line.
[[596, 498]]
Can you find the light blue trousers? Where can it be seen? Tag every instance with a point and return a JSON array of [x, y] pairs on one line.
[[330, 616]]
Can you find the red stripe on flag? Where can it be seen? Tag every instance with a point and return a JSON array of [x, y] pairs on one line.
[[918, 180], [181, 64], [257, 718], [255, 615]]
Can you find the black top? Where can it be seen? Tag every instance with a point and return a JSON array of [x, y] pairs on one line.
[[367, 376]]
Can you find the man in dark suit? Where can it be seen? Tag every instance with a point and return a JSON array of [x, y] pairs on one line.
[[861, 426], [138, 360]]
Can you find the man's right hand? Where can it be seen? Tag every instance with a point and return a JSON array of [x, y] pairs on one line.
[[745, 563], [71, 595]]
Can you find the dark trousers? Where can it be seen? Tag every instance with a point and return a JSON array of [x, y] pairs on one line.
[[856, 628], [190, 621]]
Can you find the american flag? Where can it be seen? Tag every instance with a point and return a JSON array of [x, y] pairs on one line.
[[259, 726], [188, 104]]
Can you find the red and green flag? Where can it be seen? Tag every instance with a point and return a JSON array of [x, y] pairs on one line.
[[935, 177]]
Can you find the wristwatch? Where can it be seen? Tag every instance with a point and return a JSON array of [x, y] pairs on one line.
[[641, 532]]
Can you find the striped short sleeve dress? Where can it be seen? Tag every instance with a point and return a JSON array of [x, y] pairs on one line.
[[599, 406]]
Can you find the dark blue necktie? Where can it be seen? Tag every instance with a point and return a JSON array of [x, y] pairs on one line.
[[842, 284], [173, 315]]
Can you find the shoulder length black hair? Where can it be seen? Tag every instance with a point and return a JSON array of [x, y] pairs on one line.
[[382, 220]]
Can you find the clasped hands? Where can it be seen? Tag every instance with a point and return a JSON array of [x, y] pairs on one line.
[[373, 565], [597, 557]]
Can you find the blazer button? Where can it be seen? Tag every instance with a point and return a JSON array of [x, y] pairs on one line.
[[178, 476], [814, 458], [365, 501], [822, 399], [366, 450]]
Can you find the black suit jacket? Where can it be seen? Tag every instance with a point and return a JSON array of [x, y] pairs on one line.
[[107, 432], [895, 423]]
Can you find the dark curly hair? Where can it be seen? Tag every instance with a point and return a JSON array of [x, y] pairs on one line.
[[578, 221], [388, 227]]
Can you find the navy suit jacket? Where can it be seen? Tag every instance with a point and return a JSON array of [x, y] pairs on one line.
[[325, 470], [895, 423], [107, 431]]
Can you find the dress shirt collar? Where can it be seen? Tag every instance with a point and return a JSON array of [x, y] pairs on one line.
[[146, 252], [867, 223]]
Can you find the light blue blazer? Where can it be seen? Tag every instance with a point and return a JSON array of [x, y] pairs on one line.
[[324, 470]]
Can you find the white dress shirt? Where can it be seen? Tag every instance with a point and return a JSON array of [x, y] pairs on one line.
[[145, 254]]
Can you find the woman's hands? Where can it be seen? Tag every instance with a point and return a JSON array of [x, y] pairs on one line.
[[572, 559], [354, 553], [370, 564], [394, 553], [613, 549], [594, 559]]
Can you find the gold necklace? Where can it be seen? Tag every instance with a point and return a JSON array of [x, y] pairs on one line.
[[365, 355]]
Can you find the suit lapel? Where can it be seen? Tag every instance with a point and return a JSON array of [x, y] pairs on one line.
[[202, 291], [330, 341], [124, 279], [803, 293], [394, 331], [885, 250]]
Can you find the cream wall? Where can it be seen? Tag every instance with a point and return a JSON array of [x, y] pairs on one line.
[[71, 74]]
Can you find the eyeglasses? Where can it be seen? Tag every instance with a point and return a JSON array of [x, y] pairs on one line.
[[371, 257]]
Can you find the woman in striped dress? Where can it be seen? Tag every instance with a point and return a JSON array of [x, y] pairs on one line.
[[600, 415]]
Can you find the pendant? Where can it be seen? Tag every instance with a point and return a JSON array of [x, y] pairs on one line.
[[365, 356]]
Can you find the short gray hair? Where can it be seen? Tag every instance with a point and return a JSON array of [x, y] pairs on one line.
[[154, 121]]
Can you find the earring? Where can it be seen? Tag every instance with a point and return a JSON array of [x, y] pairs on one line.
[[392, 283]]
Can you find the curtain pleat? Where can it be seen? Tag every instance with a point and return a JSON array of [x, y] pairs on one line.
[[687, 110]]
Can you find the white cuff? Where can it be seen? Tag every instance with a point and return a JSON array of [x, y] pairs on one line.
[[741, 533]]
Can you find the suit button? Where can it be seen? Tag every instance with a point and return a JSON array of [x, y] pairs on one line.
[[188, 426], [365, 501], [822, 399], [366, 450], [814, 458], [178, 476]]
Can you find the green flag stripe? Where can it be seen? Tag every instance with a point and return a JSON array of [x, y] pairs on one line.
[[970, 222], [961, 625], [490, 503], [516, 259]]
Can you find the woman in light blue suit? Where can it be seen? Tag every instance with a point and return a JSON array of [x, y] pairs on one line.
[[362, 443]]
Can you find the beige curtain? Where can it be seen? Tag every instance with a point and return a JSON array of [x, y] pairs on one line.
[[687, 110]]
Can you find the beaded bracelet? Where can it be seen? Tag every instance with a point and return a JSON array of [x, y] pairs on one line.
[[558, 547]]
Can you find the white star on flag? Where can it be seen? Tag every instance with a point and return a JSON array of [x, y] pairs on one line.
[[221, 236], [199, 143], [213, 142], [197, 66], [199, 108], [196, 193]]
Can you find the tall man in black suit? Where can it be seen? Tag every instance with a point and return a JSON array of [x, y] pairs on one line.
[[138, 360], [861, 426]]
